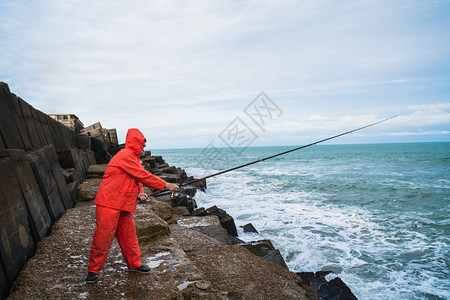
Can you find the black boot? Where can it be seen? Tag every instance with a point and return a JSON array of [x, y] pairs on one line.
[[142, 269], [91, 277]]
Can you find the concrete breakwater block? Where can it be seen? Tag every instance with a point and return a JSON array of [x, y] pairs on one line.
[[149, 226], [249, 228], [77, 160], [8, 126], [4, 286], [16, 244], [96, 171], [208, 225], [88, 189], [30, 124], [162, 209], [238, 272], [333, 289], [266, 250], [17, 115], [47, 183], [41, 220], [59, 176]]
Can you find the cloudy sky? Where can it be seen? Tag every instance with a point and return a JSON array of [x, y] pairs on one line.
[[188, 73]]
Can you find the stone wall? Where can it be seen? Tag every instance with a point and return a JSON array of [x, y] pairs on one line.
[[40, 171], [22, 126]]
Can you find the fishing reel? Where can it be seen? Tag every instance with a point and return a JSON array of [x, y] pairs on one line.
[[175, 195]]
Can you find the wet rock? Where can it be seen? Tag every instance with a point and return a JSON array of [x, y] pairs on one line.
[[266, 250], [235, 241], [214, 210], [249, 228], [317, 279], [88, 189], [336, 289], [200, 212], [227, 222]]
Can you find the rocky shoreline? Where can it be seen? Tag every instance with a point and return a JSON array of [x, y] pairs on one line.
[[50, 176]]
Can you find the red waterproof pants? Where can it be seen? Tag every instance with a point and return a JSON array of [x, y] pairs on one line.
[[113, 222]]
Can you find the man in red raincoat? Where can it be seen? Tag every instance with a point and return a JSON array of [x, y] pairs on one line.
[[115, 202]]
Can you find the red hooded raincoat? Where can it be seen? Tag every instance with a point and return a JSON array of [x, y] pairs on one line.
[[116, 201]]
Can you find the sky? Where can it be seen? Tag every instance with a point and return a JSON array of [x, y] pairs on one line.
[[235, 73]]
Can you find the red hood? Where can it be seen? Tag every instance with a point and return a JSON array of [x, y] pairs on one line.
[[135, 140]]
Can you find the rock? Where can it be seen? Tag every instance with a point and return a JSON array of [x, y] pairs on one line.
[[235, 241], [336, 289], [202, 285], [275, 257], [96, 171], [208, 225], [181, 211], [198, 222], [233, 268], [149, 226], [88, 189], [162, 209], [73, 190], [317, 279], [266, 250], [235, 295], [68, 176], [249, 228], [149, 163], [214, 210], [199, 212], [197, 277], [227, 222], [169, 170], [172, 178], [189, 190]]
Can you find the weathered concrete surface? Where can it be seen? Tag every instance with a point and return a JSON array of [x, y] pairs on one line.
[[96, 171], [59, 268], [88, 189], [40, 223], [16, 244], [184, 265], [208, 225], [47, 183], [235, 270]]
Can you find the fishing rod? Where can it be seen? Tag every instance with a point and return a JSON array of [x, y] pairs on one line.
[[282, 153]]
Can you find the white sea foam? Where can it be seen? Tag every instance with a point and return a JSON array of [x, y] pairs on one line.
[[378, 219]]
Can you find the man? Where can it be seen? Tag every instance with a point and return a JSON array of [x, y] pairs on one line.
[[115, 202]]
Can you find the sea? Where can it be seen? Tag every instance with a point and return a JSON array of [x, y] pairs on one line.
[[376, 215]]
